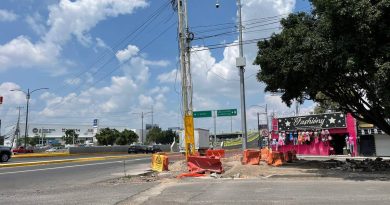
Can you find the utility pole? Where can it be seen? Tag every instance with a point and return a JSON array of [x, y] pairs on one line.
[[240, 63], [152, 117], [17, 131], [142, 124], [142, 127], [185, 38], [28, 93]]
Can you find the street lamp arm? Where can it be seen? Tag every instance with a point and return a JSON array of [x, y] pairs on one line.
[[39, 89], [18, 90]]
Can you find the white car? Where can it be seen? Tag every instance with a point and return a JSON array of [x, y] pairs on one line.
[[54, 149]]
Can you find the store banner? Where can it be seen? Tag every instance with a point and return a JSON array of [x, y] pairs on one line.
[[323, 121]]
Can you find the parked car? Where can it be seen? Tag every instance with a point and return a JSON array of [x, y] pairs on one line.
[[55, 149], [5, 153], [21, 149], [137, 149], [154, 149]]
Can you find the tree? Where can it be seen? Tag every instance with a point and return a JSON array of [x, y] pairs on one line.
[[168, 137], [153, 135], [34, 141], [126, 137], [70, 136], [341, 49], [107, 136]]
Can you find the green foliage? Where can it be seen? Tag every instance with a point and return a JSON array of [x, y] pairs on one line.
[[107, 136], [156, 135], [69, 136], [325, 105], [34, 141], [126, 137], [168, 137], [340, 50]]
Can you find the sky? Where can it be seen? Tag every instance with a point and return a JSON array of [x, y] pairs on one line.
[[113, 59]]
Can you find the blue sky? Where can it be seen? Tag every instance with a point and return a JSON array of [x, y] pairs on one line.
[[108, 59]]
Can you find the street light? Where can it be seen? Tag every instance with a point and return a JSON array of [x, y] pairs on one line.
[[28, 93], [142, 123], [258, 120]]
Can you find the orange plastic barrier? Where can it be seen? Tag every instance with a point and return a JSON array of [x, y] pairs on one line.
[[191, 174], [251, 157], [159, 162], [278, 159], [270, 158], [219, 153], [264, 154], [202, 164]]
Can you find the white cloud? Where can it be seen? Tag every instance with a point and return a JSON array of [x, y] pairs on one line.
[[7, 16], [66, 19], [73, 81], [169, 77], [160, 63], [126, 54], [35, 21], [20, 52]]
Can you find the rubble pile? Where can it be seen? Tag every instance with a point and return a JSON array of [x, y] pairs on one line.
[[366, 165]]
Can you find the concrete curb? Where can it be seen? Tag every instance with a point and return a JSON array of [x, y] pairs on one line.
[[294, 176], [69, 160]]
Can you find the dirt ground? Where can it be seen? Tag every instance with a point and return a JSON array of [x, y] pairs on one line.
[[234, 169]]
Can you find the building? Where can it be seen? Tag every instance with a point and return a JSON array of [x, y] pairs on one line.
[[52, 133], [325, 134], [372, 141]]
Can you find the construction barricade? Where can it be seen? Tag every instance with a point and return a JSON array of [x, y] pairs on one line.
[[202, 164], [277, 158], [264, 154], [251, 157], [159, 162], [218, 153]]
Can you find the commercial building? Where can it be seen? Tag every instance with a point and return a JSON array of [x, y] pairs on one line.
[[53, 133], [325, 134]]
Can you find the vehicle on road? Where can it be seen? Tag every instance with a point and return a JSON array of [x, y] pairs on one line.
[[137, 149], [21, 149], [154, 149], [5, 153], [55, 149]]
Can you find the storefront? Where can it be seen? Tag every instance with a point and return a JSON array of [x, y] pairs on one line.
[[373, 141], [325, 134]]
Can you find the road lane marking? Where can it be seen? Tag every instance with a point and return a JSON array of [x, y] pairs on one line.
[[70, 166]]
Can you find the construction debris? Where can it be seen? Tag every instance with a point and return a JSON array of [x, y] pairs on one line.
[[366, 165]]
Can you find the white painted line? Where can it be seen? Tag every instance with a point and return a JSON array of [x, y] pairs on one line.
[[70, 166]]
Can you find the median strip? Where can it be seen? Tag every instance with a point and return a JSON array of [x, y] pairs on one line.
[[70, 160], [34, 155]]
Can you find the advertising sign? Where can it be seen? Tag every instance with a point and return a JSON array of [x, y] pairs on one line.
[[324, 121]]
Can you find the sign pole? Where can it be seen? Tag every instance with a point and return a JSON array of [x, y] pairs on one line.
[[215, 128]]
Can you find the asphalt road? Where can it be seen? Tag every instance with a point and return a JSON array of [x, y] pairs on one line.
[[267, 191], [71, 183], [35, 159]]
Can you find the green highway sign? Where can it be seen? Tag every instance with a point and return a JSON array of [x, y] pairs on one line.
[[228, 112], [198, 114]]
